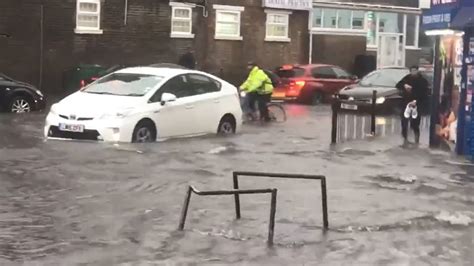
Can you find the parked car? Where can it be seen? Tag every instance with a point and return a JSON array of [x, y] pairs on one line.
[[311, 84], [89, 80], [144, 104], [358, 97], [19, 97]]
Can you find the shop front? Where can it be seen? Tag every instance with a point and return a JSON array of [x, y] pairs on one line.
[[450, 22], [464, 21]]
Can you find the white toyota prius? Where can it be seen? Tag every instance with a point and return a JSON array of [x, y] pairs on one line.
[[145, 104]]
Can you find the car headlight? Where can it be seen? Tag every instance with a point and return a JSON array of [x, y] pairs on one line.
[[54, 109], [380, 100], [39, 93]]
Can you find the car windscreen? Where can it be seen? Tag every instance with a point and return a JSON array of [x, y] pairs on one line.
[[124, 84], [383, 78], [290, 73]]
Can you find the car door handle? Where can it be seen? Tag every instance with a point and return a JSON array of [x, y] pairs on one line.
[[189, 106]]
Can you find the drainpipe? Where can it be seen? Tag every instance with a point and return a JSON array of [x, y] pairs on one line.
[[125, 13], [40, 83]]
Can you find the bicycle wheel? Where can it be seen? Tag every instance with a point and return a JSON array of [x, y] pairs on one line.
[[277, 112]]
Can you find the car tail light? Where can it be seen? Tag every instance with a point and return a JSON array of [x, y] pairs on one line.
[[295, 88], [83, 83]]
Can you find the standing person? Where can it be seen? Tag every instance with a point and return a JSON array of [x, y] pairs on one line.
[[259, 88], [414, 92], [187, 60]]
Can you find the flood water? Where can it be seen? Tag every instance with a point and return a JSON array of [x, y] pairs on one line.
[[87, 203]]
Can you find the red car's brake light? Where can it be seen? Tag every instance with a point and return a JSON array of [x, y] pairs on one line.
[[83, 83], [295, 88]]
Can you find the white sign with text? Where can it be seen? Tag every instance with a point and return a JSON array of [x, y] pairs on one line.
[[289, 4]]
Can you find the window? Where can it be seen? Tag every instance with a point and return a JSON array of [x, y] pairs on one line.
[[329, 18], [344, 18], [412, 30], [228, 22], [323, 73], [124, 84], [384, 77], [88, 17], [341, 74], [201, 84], [181, 20], [317, 17], [358, 18], [178, 86], [295, 72], [277, 26], [391, 22]]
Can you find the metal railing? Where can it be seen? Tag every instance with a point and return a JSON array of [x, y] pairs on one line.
[[336, 108], [236, 175], [235, 192]]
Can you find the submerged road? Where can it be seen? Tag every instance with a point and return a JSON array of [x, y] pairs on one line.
[[86, 203]]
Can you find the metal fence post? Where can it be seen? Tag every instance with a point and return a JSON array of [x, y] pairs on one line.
[[236, 196], [271, 224], [184, 211], [335, 109], [374, 104], [325, 203]]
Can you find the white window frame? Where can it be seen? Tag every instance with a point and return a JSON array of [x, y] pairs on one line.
[[182, 6], [336, 30], [285, 38], [88, 30], [229, 9]]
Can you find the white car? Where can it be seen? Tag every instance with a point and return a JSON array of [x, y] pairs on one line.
[[145, 104]]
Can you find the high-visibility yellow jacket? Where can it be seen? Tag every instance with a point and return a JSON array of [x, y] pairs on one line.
[[258, 81]]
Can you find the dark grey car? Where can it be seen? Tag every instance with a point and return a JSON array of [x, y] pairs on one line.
[[358, 97]]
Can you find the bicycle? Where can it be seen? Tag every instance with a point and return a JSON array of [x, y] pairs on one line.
[[276, 112]]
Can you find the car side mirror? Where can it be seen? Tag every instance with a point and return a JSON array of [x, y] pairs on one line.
[[354, 77], [168, 97]]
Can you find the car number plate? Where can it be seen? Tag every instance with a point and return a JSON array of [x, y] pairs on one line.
[[348, 106], [278, 95], [71, 128]]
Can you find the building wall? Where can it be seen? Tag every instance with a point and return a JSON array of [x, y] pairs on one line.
[[407, 3], [145, 39]]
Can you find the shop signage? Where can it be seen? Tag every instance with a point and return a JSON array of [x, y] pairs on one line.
[[440, 15], [289, 4]]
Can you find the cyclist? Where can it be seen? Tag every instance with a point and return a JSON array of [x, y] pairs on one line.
[[258, 88]]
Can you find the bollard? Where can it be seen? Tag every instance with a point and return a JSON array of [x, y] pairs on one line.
[[372, 115], [335, 109]]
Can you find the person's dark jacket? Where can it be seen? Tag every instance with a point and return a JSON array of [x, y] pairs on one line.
[[188, 61], [419, 91]]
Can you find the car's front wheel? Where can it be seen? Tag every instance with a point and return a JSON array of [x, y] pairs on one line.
[[144, 132], [227, 125], [21, 104]]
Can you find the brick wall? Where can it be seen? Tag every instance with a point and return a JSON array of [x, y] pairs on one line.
[[144, 40]]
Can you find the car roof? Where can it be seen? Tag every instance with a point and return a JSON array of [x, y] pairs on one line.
[[164, 72]]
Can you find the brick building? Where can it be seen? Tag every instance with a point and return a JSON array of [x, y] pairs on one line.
[[40, 39]]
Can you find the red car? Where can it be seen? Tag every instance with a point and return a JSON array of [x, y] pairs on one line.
[[310, 84]]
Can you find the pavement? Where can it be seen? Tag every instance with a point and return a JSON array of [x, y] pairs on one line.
[[87, 203]]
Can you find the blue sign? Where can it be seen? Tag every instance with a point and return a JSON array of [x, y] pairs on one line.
[[440, 15]]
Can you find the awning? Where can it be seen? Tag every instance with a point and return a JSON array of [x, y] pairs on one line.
[[464, 18], [439, 17]]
